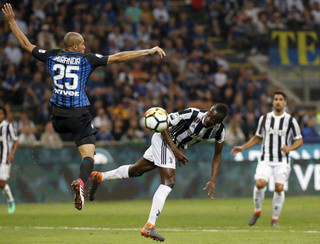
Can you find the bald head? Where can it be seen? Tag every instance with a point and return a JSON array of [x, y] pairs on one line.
[[71, 42]]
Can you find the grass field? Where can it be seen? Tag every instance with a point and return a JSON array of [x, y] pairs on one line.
[[182, 221]]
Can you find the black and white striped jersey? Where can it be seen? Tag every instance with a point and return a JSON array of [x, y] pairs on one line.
[[277, 131], [187, 128], [7, 136]]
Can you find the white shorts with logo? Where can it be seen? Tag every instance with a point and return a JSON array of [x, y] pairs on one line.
[[280, 171], [160, 153], [5, 171]]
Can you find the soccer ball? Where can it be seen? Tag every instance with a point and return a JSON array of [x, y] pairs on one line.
[[156, 119]]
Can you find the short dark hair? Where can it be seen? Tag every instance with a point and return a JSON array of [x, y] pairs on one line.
[[222, 109], [4, 110], [280, 93]]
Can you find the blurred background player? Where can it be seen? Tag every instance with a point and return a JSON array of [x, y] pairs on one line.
[[186, 128], [8, 148], [276, 130], [69, 70]]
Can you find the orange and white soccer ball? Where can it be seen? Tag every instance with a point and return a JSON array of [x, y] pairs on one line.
[[156, 119]]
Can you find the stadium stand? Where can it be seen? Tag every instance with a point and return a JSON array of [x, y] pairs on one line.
[[207, 59]]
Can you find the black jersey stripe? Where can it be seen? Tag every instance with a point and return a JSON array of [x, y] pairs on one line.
[[185, 111], [290, 125], [280, 140], [271, 139]]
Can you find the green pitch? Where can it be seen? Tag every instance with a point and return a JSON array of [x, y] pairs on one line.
[[182, 221]]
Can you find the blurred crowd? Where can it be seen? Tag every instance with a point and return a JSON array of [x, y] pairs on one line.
[[194, 72], [247, 24]]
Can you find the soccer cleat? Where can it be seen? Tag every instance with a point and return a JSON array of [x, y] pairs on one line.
[[275, 222], [254, 217], [96, 179], [150, 232], [78, 191], [11, 207]]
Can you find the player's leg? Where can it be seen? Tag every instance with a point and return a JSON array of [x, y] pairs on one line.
[[122, 172], [281, 175], [4, 176], [158, 201], [164, 158], [83, 132], [263, 173]]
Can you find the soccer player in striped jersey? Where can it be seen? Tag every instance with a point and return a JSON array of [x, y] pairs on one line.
[[8, 148], [69, 70], [280, 134], [186, 128]]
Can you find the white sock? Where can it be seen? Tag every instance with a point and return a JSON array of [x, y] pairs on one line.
[[158, 201], [258, 197], [277, 203], [7, 193], [119, 173]]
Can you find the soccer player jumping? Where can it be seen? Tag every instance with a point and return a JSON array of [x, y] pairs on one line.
[[69, 70]]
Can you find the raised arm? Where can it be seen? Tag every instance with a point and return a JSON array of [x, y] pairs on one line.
[[130, 55], [216, 161], [22, 39], [253, 141]]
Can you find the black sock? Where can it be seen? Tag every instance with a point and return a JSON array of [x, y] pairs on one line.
[[86, 168]]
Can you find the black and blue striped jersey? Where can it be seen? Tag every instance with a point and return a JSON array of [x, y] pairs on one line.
[[69, 72]]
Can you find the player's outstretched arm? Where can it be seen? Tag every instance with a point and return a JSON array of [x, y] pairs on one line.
[[130, 55], [216, 161], [22, 39], [253, 141]]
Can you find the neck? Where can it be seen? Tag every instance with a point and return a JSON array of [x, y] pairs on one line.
[[278, 113]]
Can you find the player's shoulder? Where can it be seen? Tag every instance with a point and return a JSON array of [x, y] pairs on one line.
[[47, 52], [93, 56]]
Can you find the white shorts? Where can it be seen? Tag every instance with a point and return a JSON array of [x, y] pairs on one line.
[[279, 171], [5, 171], [160, 153]]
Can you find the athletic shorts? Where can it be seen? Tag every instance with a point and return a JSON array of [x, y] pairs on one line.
[[5, 171], [81, 128], [279, 171], [160, 153]]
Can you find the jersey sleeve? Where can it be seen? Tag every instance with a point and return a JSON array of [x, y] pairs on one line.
[[96, 60], [13, 133], [221, 134], [296, 130], [42, 54], [175, 118], [260, 127]]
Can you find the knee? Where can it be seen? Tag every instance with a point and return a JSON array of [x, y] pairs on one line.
[[2, 184], [260, 184], [279, 188], [170, 181]]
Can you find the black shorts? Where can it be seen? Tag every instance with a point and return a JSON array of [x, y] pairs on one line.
[[81, 128]]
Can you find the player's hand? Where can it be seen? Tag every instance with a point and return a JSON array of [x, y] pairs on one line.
[[235, 150], [211, 186], [8, 12], [285, 149], [10, 158], [181, 158], [157, 50]]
